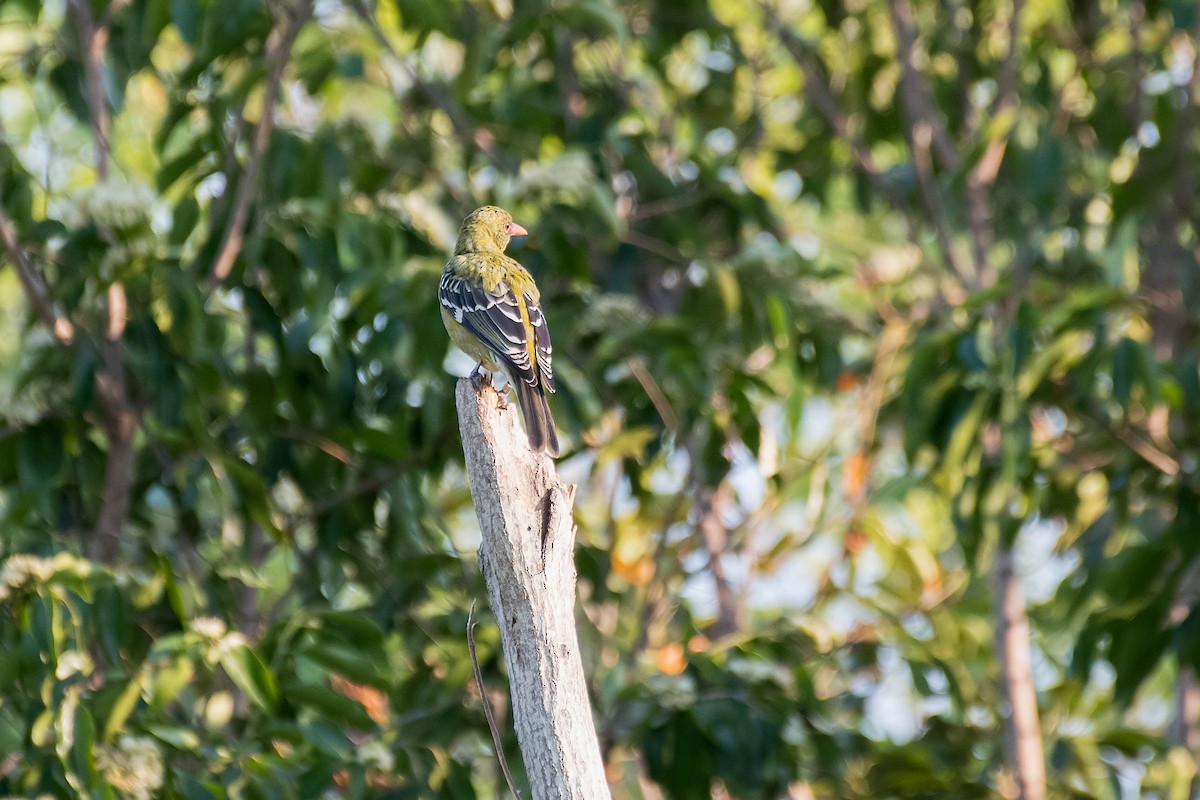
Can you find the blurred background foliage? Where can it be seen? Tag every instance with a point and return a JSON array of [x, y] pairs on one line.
[[877, 345]]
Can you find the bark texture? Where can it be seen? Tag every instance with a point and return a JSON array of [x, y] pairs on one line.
[[527, 559]]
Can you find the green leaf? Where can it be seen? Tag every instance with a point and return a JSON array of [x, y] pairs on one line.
[[125, 704], [187, 214], [354, 627], [81, 758], [354, 664], [175, 168], [168, 680], [193, 789], [1137, 646], [185, 15], [40, 456], [1124, 369], [1187, 640], [251, 675], [179, 738], [335, 707], [680, 757]]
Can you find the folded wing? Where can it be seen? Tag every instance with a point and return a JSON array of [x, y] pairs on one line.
[[495, 318]]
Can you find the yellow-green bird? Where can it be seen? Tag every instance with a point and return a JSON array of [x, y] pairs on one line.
[[493, 312]]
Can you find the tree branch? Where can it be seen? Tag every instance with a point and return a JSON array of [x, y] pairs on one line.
[[1006, 89], [279, 51], [730, 609], [120, 422], [467, 130], [120, 417], [1184, 190], [378, 480], [1024, 733], [94, 41], [916, 93], [34, 284], [819, 91], [1184, 730], [488, 714], [658, 247], [527, 559], [918, 136], [927, 133], [983, 175], [658, 398], [821, 95]]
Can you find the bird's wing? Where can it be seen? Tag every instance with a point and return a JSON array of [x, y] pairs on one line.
[[541, 338], [495, 319]]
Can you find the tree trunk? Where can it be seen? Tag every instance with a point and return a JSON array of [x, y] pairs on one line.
[[120, 422], [1184, 729], [1024, 732], [730, 610], [527, 559]]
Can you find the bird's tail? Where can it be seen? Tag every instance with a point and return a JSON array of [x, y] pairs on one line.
[[539, 425]]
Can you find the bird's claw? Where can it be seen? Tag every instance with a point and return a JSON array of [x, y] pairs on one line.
[[479, 378]]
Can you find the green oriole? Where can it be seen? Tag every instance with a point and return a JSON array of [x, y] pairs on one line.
[[492, 311]]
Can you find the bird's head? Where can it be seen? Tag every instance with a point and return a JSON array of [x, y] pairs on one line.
[[487, 230]]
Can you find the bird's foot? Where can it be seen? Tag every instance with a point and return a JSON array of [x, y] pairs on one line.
[[502, 389]]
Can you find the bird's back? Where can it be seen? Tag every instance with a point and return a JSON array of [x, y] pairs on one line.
[[492, 269]]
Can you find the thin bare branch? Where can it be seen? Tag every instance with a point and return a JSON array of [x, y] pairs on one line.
[[1024, 733], [487, 704], [377, 480], [1140, 444], [279, 51], [94, 41], [34, 284], [667, 205], [637, 366], [658, 247], [979, 222]]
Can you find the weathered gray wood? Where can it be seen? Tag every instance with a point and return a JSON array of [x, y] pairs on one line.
[[527, 558]]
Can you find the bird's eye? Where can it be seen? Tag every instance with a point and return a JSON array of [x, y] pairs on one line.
[[508, 227]]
